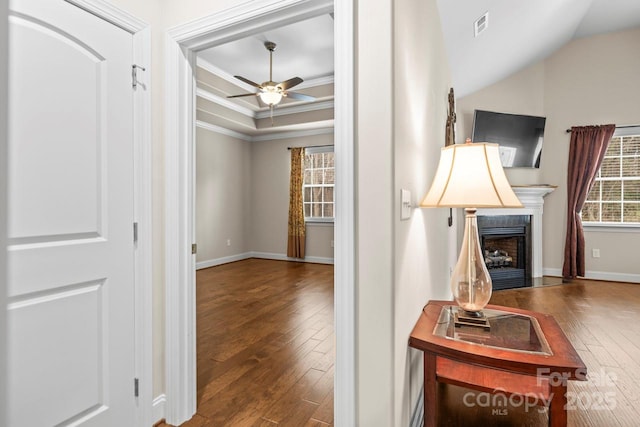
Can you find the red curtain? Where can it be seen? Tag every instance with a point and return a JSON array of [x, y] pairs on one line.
[[586, 151]]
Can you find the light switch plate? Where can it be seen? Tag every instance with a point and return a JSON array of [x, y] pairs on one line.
[[405, 200]]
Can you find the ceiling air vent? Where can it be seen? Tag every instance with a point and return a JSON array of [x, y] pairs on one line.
[[481, 24]]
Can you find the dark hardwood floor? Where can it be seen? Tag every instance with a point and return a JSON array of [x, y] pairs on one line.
[[602, 321], [265, 345], [266, 349]]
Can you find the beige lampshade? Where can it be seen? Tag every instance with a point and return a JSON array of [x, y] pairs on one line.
[[470, 176]]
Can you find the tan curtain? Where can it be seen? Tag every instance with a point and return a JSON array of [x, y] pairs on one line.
[[297, 231], [586, 151]]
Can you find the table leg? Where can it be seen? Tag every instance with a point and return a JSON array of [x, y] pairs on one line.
[[430, 390], [558, 407]]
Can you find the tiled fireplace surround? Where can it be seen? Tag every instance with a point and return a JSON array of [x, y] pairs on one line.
[[532, 198]]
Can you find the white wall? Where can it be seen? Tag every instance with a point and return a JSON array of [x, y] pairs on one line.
[[223, 195], [401, 264], [589, 81], [423, 247], [4, 54], [270, 164], [374, 214]]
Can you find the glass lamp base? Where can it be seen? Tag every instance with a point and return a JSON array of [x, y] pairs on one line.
[[470, 281]]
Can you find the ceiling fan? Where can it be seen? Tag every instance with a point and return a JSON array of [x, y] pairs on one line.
[[270, 92]]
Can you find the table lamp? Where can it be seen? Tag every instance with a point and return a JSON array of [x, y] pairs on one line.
[[470, 176]]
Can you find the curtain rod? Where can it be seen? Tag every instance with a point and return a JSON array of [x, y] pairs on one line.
[[617, 127], [312, 146]]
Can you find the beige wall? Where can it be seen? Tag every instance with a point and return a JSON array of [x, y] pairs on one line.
[[521, 93], [223, 195], [424, 248], [242, 194], [589, 81], [270, 165]]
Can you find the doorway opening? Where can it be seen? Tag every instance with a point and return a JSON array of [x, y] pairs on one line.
[[265, 332], [184, 43]]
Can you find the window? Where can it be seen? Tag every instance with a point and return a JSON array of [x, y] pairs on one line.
[[615, 195], [319, 179]]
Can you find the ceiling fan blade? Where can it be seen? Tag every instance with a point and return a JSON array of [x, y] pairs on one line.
[[244, 94], [247, 81], [288, 84], [299, 96]]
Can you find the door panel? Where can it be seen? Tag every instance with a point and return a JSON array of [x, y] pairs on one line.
[[71, 289], [71, 341], [68, 155]]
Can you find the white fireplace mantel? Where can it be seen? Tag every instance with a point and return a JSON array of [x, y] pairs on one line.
[[532, 198]]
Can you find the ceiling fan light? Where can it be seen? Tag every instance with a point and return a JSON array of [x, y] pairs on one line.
[[271, 95]]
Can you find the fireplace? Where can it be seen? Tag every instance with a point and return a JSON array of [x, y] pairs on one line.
[[532, 197], [506, 245]]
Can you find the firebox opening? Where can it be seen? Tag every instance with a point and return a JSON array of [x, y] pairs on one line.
[[506, 247], [502, 252]]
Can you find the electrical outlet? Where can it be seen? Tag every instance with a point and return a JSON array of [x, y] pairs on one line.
[[595, 253], [228, 242], [332, 243]]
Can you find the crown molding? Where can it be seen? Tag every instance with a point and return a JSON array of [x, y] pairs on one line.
[[304, 126], [318, 81], [224, 102], [291, 134], [263, 114], [223, 131], [266, 137], [295, 109], [208, 66], [112, 14]]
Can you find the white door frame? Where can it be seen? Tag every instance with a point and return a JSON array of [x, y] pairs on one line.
[[4, 59], [142, 166], [182, 44]]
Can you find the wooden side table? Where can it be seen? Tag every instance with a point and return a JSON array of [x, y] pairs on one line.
[[524, 353]]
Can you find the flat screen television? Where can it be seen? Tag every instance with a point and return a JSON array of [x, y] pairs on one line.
[[520, 137]]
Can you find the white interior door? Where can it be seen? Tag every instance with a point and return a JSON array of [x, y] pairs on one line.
[[70, 224]]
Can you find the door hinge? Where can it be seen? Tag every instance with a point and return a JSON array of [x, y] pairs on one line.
[[136, 392], [135, 232], [134, 75], [194, 249]]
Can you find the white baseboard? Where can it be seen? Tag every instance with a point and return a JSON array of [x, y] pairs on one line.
[[283, 257], [158, 408], [223, 260], [262, 255], [557, 272], [598, 275]]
